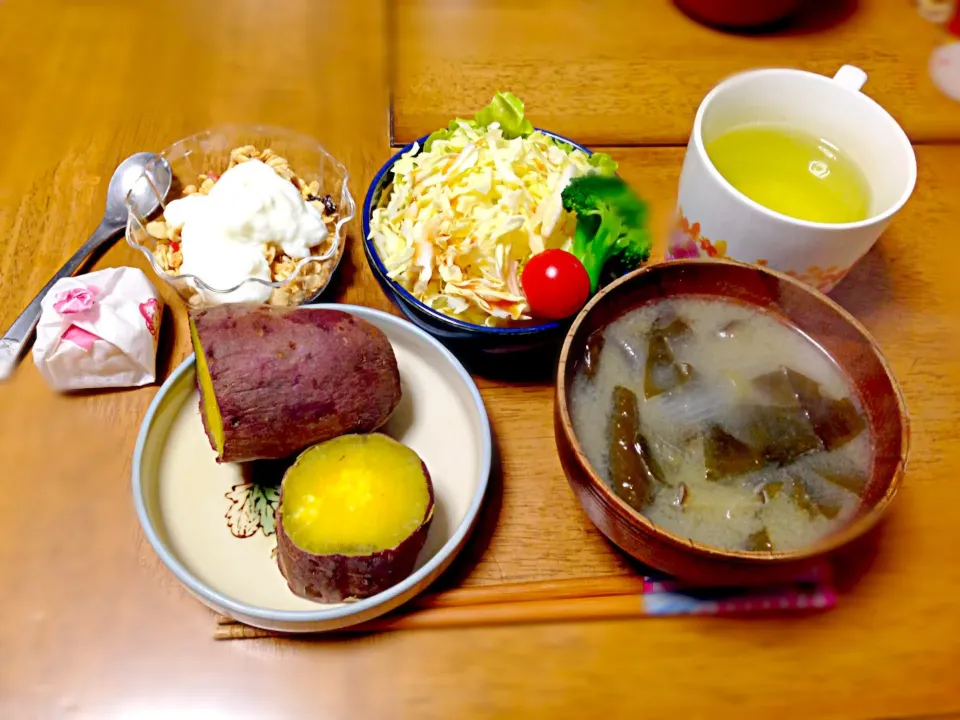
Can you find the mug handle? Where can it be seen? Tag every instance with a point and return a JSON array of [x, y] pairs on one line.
[[850, 77]]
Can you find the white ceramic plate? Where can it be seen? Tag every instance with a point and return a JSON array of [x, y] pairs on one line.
[[214, 529]]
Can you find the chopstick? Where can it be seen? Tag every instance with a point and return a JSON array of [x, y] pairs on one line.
[[607, 607], [599, 598], [531, 591], [542, 601]]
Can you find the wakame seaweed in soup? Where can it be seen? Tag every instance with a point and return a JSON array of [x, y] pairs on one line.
[[723, 424]]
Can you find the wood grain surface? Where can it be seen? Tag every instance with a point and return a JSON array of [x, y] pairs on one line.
[[93, 626], [620, 72]]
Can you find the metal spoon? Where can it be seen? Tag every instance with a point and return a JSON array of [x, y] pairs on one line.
[[129, 177]]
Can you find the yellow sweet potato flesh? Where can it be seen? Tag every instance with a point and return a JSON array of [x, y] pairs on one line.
[[354, 495], [211, 410]]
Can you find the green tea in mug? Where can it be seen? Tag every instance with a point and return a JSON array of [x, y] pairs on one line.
[[792, 172]]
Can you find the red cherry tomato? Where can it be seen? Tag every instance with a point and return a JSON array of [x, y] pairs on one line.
[[556, 284]]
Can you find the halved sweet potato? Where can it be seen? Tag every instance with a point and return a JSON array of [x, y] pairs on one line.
[[354, 514], [274, 380]]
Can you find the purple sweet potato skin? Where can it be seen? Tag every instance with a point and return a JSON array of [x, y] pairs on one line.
[[336, 578], [288, 378]]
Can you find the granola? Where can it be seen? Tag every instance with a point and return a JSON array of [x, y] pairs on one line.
[[313, 276]]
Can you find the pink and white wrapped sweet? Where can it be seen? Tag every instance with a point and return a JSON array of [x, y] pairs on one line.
[[99, 330]]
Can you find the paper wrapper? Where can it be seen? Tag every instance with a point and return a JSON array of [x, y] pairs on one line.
[[99, 330]]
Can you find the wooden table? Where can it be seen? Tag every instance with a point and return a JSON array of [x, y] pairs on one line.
[[92, 625]]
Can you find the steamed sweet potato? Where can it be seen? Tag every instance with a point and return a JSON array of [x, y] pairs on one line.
[[275, 380], [354, 514]]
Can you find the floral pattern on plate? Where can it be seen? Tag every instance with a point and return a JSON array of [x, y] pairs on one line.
[[252, 508]]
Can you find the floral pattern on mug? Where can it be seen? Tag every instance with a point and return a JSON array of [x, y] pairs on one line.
[[823, 279], [76, 300], [687, 242]]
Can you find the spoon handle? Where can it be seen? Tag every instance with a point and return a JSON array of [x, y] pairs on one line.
[[11, 345]]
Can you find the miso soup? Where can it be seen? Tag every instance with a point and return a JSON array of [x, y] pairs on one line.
[[722, 424]]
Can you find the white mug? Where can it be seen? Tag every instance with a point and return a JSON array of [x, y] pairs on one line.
[[716, 220]]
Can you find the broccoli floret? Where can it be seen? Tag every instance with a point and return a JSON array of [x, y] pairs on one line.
[[611, 224]]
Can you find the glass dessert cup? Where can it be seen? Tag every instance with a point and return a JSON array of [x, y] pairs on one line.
[[208, 153]]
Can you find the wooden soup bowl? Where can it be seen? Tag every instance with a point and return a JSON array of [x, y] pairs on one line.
[[844, 339]]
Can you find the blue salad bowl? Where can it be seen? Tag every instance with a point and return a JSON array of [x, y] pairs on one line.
[[470, 341]]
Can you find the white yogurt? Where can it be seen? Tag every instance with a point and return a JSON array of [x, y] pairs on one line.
[[223, 234]]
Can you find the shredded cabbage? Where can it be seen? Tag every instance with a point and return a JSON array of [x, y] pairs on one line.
[[466, 213]]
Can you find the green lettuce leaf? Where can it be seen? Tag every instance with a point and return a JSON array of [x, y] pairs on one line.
[[506, 109], [604, 164], [447, 132]]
